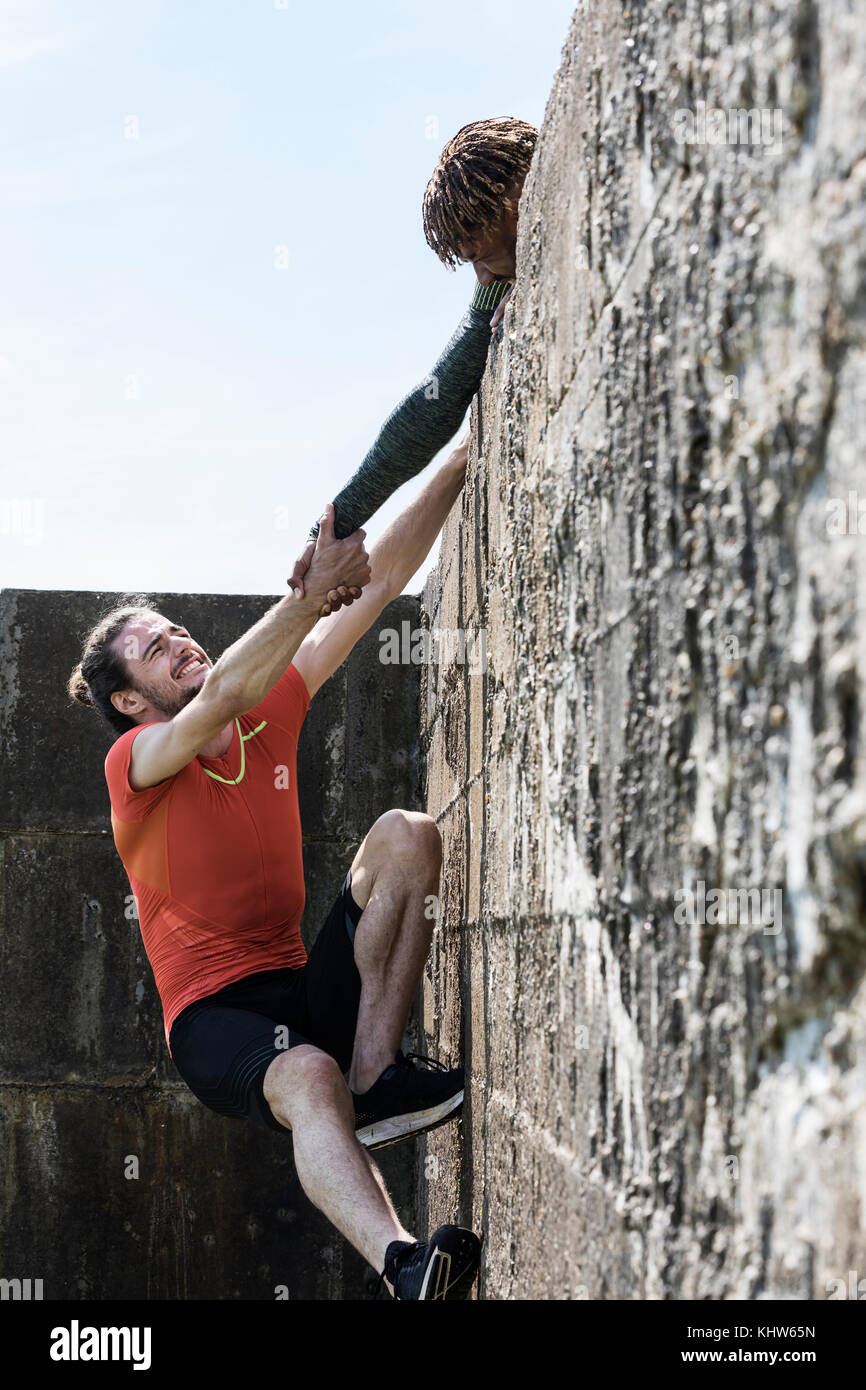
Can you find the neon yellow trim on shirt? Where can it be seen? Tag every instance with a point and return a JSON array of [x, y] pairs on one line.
[[233, 781]]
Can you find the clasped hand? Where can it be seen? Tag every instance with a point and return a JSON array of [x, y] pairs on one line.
[[336, 570]]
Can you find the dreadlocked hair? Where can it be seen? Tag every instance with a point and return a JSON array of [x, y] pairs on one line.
[[102, 670], [472, 184]]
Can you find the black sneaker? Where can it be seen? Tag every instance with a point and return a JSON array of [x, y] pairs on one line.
[[444, 1267], [406, 1100]]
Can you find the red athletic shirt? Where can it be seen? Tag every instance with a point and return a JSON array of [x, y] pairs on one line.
[[213, 854]]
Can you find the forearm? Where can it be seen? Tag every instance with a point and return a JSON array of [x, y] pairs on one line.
[[251, 667], [406, 542], [424, 420]]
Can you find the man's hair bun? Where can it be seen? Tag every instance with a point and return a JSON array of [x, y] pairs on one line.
[[78, 688]]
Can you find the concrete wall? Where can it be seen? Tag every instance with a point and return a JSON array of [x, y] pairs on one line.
[[676, 655], [85, 1077]]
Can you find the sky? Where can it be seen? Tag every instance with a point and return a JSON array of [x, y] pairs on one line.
[[215, 280]]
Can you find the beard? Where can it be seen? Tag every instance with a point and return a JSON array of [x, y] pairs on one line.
[[168, 702]]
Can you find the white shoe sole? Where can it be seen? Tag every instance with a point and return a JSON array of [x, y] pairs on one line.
[[396, 1127]]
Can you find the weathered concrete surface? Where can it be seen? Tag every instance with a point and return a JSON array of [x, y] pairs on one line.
[[85, 1077], [674, 693]]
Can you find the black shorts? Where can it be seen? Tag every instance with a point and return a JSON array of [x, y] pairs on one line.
[[223, 1044]]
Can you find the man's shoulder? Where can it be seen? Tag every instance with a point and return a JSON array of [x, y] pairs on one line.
[[121, 747], [128, 802], [289, 698]]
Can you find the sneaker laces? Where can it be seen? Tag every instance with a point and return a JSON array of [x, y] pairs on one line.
[[380, 1289], [407, 1060]]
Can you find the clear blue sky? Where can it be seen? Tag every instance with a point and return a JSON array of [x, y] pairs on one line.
[[168, 394]]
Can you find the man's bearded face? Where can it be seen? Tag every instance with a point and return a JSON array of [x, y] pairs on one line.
[[166, 667]]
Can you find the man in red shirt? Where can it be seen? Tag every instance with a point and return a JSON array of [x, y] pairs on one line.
[[202, 779]]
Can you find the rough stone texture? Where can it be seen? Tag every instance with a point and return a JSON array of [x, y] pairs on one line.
[[676, 655], [85, 1077]]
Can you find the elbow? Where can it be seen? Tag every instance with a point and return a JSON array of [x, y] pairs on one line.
[[221, 697], [384, 587]]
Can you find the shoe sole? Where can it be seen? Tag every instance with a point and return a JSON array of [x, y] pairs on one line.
[[397, 1127], [453, 1266]]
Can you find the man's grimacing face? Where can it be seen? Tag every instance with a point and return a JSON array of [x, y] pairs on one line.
[[167, 668]]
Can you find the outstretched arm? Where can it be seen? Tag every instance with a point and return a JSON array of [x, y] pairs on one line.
[[395, 557], [421, 424], [251, 666]]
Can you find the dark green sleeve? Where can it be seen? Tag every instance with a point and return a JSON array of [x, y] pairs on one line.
[[424, 420]]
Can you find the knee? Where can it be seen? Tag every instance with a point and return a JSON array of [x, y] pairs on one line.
[[303, 1077], [411, 834]]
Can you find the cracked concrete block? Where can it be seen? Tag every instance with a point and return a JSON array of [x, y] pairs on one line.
[[665, 465]]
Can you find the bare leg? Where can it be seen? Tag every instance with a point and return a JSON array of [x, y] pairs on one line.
[[394, 876], [306, 1092], [394, 873]]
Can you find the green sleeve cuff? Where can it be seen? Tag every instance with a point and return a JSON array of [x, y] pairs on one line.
[[488, 297]]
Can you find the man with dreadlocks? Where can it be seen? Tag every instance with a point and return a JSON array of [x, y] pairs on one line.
[[470, 215], [470, 206]]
